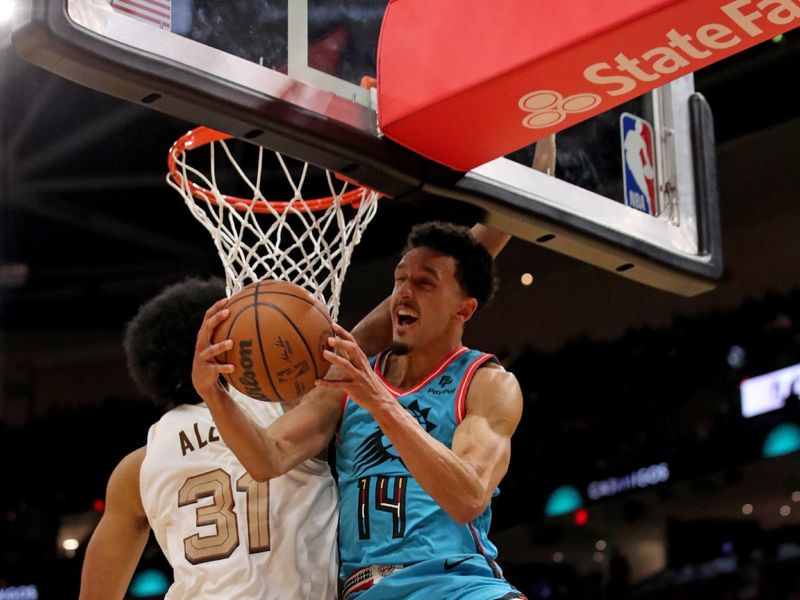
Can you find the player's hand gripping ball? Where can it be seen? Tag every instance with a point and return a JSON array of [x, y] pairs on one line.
[[279, 331]]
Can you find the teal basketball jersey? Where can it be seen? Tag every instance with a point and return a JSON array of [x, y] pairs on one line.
[[386, 518]]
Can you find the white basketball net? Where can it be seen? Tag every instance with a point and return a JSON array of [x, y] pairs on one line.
[[300, 240]]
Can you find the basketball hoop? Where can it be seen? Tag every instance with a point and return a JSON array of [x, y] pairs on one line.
[[305, 241]]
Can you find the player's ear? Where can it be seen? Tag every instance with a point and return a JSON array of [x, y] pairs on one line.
[[468, 307]]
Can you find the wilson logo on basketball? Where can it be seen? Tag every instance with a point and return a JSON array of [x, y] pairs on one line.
[[623, 74], [248, 377]]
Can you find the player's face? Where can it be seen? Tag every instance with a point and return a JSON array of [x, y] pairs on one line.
[[427, 300]]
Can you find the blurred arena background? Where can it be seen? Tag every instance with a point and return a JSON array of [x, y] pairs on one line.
[[635, 472]]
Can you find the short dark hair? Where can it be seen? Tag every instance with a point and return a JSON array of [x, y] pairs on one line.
[[475, 269], [159, 341]]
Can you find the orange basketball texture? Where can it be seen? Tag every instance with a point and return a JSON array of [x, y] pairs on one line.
[[279, 331]]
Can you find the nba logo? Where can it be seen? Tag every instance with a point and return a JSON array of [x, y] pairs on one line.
[[638, 163]]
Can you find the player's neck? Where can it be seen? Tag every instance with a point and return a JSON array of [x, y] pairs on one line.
[[404, 371]]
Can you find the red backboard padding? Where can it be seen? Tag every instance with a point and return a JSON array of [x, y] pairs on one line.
[[465, 81]]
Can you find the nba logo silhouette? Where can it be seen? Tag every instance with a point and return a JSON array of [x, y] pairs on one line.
[[638, 163]]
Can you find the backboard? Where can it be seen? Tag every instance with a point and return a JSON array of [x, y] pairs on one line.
[[635, 191]]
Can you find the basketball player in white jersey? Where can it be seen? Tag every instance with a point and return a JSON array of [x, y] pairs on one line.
[[225, 535]]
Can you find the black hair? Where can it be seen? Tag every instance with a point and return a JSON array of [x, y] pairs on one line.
[[159, 341], [475, 269]]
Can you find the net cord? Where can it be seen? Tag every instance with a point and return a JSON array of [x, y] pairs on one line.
[[296, 242]]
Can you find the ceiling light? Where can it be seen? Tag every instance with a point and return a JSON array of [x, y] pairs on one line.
[[736, 357], [70, 544], [727, 548], [747, 509], [786, 510], [6, 10], [526, 279], [581, 516], [558, 557], [563, 500]]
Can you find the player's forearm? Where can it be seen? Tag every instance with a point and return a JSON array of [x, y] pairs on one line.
[[374, 332], [301, 433], [104, 581], [544, 160], [246, 438], [490, 238], [110, 561], [450, 480]]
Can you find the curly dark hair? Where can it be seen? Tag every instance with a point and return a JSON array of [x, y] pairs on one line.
[[475, 269], [159, 341]]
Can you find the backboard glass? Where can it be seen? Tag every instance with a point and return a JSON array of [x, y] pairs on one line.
[[635, 191]]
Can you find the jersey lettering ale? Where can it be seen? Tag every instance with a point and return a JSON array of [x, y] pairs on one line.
[[385, 516]]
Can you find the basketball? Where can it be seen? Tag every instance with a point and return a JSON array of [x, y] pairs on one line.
[[279, 331]]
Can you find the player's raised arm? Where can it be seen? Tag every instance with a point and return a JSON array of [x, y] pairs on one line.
[[120, 537]]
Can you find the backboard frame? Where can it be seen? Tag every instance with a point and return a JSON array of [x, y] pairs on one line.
[[94, 46]]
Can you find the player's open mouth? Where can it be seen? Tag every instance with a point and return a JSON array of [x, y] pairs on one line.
[[406, 318]]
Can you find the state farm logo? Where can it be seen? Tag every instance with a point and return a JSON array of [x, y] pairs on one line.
[[548, 108], [624, 73]]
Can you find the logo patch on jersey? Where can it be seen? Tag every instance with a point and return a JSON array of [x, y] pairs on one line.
[[449, 566], [442, 388], [376, 448]]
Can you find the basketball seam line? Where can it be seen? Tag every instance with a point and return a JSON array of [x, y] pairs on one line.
[[261, 349], [255, 302], [306, 300], [297, 330]]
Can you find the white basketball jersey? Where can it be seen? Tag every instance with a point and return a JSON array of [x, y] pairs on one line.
[[227, 535]]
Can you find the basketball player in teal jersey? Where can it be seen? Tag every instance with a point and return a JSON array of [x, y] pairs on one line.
[[424, 435], [424, 438]]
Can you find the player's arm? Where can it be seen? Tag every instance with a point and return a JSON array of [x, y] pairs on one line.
[[544, 157], [120, 537], [544, 160], [301, 433], [374, 332], [482, 441], [462, 479]]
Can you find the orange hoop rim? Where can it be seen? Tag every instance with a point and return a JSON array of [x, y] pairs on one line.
[[202, 136]]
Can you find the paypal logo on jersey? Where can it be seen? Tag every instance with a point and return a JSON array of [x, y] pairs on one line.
[[441, 386], [638, 163]]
